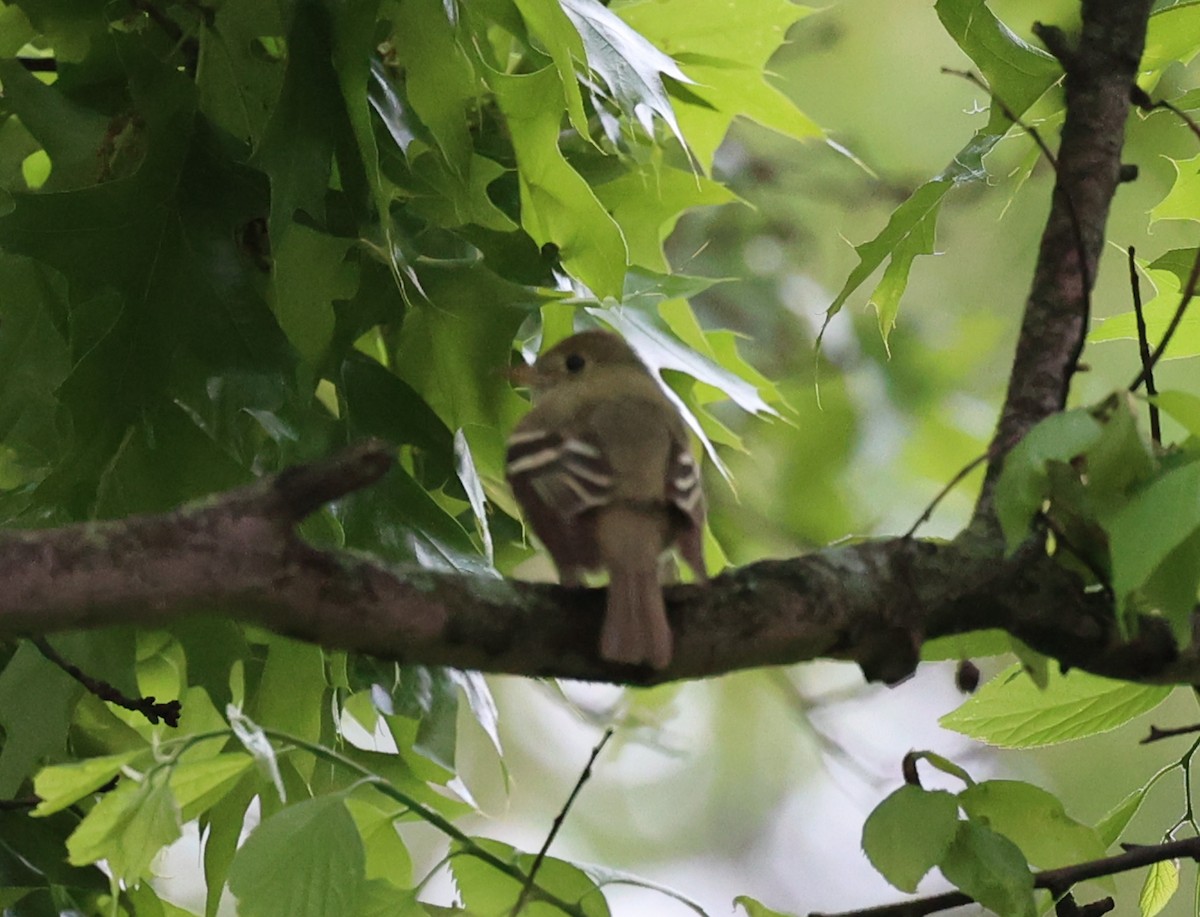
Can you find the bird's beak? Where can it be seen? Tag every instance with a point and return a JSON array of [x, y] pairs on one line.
[[522, 375]]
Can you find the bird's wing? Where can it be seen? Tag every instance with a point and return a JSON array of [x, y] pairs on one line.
[[568, 472]]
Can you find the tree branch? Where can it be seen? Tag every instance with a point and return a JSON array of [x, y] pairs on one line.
[[239, 555], [1099, 74]]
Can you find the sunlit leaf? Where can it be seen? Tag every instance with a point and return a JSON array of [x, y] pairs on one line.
[[1012, 712]]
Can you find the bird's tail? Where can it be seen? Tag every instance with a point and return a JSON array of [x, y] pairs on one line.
[[635, 631], [635, 621]]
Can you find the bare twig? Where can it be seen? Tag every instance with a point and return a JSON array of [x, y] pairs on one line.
[[1135, 285], [941, 495], [1157, 735], [147, 706], [559, 820], [1144, 102], [1050, 879]]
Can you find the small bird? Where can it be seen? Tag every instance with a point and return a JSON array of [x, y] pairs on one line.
[[602, 468]]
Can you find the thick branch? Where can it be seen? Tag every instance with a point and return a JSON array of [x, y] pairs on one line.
[[238, 555], [1099, 76]]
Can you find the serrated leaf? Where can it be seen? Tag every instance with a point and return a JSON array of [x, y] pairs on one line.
[[1034, 820], [917, 217], [909, 833], [1162, 881], [1011, 712], [630, 66], [725, 56], [1016, 71], [991, 869], [1171, 36], [1183, 200], [1167, 275], [557, 205], [306, 860], [648, 202], [440, 80]]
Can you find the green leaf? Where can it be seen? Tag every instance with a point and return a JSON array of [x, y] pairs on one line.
[[991, 869], [292, 692], [487, 892], [1024, 483], [548, 22], [1019, 74], [1146, 531], [32, 732], [200, 785], [1011, 712], [1183, 200], [223, 824], [128, 827], [909, 230], [629, 65], [909, 833], [1016, 71], [69, 132], [440, 80], [306, 860], [297, 147], [1171, 36], [310, 274], [386, 855], [238, 84], [1183, 406], [557, 205], [1114, 823], [1162, 881], [1034, 820], [1167, 274], [725, 56], [755, 909], [648, 202], [61, 785]]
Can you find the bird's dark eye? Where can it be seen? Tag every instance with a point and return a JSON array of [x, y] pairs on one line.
[[574, 363]]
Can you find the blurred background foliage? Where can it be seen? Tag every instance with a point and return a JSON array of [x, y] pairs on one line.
[[236, 236]]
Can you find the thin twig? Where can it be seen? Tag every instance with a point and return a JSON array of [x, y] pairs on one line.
[[1135, 286], [945, 491], [558, 822], [147, 706], [1061, 878], [1157, 735], [1144, 102]]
